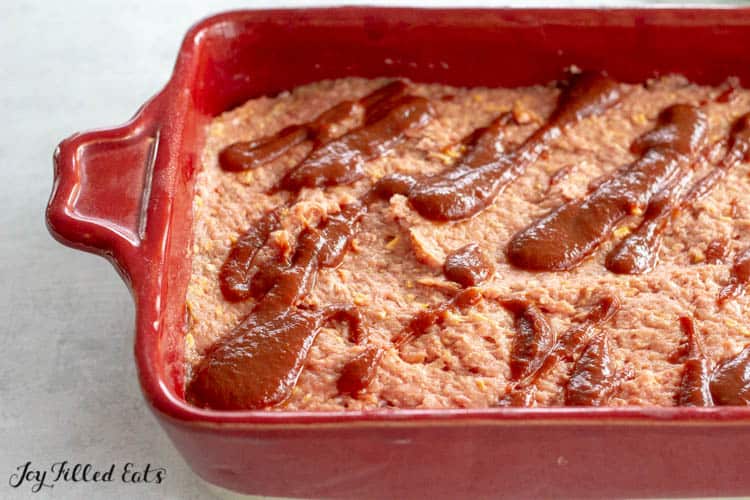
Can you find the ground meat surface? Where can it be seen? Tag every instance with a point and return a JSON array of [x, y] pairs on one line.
[[394, 268]]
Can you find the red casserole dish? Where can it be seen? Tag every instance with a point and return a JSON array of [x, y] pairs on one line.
[[126, 193]]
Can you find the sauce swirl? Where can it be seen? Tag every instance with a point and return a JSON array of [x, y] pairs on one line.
[[577, 335], [241, 277], [638, 252], [473, 183], [560, 240]]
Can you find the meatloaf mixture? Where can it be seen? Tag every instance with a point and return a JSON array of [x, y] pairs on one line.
[[363, 244]]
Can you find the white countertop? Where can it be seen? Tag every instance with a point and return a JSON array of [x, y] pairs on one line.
[[68, 388]]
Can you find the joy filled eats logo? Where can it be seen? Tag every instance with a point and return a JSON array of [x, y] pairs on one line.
[[35, 478]]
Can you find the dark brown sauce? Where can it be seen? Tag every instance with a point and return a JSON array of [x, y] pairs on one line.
[[562, 239], [694, 386], [258, 363], [739, 145], [260, 337], [739, 279], [388, 116], [558, 176], [473, 183], [533, 341], [730, 381], [358, 373], [726, 95], [518, 395], [468, 266], [484, 145], [717, 250], [423, 320], [338, 232], [271, 343], [342, 160], [639, 251], [241, 277], [246, 155], [238, 272], [593, 380], [566, 348], [578, 335]]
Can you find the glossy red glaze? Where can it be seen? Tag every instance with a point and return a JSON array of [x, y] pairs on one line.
[[126, 193]]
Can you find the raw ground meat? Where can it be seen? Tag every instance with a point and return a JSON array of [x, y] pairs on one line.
[[394, 267]]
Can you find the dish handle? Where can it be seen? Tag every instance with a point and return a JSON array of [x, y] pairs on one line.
[[100, 196]]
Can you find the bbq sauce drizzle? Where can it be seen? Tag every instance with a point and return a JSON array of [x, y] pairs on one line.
[[423, 320], [529, 362], [560, 240], [389, 113], [473, 183], [359, 372], [239, 277], [738, 150], [342, 160], [730, 380], [468, 266], [638, 252], [739, 279], [533, 341], [694, 386], [594, 379], [246, 155], [258, 363], [727, 384], [276, 329]]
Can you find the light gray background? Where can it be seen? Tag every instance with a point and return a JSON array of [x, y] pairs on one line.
[[68, 388]]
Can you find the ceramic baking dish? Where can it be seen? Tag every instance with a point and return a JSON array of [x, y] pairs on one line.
[[126, 193]]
